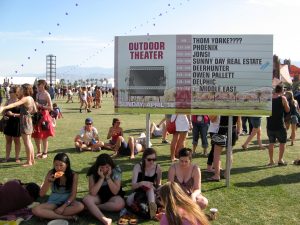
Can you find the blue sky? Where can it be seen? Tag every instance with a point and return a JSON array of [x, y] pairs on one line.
[[85, 36]]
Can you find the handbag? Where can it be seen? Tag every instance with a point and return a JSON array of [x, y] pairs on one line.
[[36, 117], [3, 123], [219, 139], [171, 126]]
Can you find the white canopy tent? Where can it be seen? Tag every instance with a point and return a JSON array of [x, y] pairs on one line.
[[17, 80], [285, 74]]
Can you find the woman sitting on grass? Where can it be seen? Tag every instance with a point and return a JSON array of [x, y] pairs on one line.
[[188, 176], [118, 143], [62, 202], [146, 177], [179, 208], [105, 190]]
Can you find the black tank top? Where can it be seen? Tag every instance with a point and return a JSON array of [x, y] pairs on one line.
[[142, 177], [276, 121]]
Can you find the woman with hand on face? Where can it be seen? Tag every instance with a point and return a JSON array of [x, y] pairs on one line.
[[105, 190], [27, 108], [188, 176], [62, 202], [146, 178], [44, 128]]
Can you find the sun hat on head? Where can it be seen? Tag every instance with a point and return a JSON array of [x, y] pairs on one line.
[[88, 120]]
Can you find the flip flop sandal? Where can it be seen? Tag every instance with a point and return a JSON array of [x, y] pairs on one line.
[[282, 163], [122, 221], [133, 221]]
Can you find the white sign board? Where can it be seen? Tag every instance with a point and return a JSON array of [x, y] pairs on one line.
[[199, 74]]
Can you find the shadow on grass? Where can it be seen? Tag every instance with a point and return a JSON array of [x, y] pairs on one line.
[[131, 131], [271, 181], [239, 170], [6, 166]]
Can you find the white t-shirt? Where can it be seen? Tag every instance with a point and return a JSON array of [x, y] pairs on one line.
[[87, 136]]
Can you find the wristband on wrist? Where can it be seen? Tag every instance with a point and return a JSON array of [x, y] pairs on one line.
[[68, 202]]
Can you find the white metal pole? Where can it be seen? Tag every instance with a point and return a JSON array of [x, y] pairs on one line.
[[229, 151], [147, 130]]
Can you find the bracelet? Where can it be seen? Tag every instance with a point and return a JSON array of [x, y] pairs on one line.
[[107, 178], [68, 202]]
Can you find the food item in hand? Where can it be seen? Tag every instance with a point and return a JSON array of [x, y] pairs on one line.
[[58, 174]]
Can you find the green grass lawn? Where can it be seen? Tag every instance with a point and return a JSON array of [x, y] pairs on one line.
[[257, 194]]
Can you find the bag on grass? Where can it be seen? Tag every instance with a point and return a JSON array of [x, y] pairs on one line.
[[140, 205]]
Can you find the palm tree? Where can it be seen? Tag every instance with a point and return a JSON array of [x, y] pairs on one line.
[[62, 82], [258, 93], [235, 94], [101, 81], [106, 81], [92, 81], [75, 84]]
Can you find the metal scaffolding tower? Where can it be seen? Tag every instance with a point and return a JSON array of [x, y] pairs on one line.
[[51, 69]]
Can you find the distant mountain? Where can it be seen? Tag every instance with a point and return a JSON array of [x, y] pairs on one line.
[[73, 73]]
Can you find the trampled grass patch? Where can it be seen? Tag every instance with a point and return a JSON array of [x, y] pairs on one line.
[[257, 194]]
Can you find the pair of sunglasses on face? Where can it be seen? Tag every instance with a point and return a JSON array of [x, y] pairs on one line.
[[151, 159]]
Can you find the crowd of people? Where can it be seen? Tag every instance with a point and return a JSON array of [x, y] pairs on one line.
[[105, 190], [34, 116]]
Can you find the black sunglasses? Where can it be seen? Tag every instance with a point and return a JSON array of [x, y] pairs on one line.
[[150, 159], [88, 124]]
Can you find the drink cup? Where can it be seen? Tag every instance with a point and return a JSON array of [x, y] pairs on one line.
[[213, 213]]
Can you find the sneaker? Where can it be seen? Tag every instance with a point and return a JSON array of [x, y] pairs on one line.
[[244, 133], [165, 142]]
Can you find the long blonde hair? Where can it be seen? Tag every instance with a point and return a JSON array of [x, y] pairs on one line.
[[173, 197]]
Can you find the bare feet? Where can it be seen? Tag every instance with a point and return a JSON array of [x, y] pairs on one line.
[[106, 221], [27, 164]]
